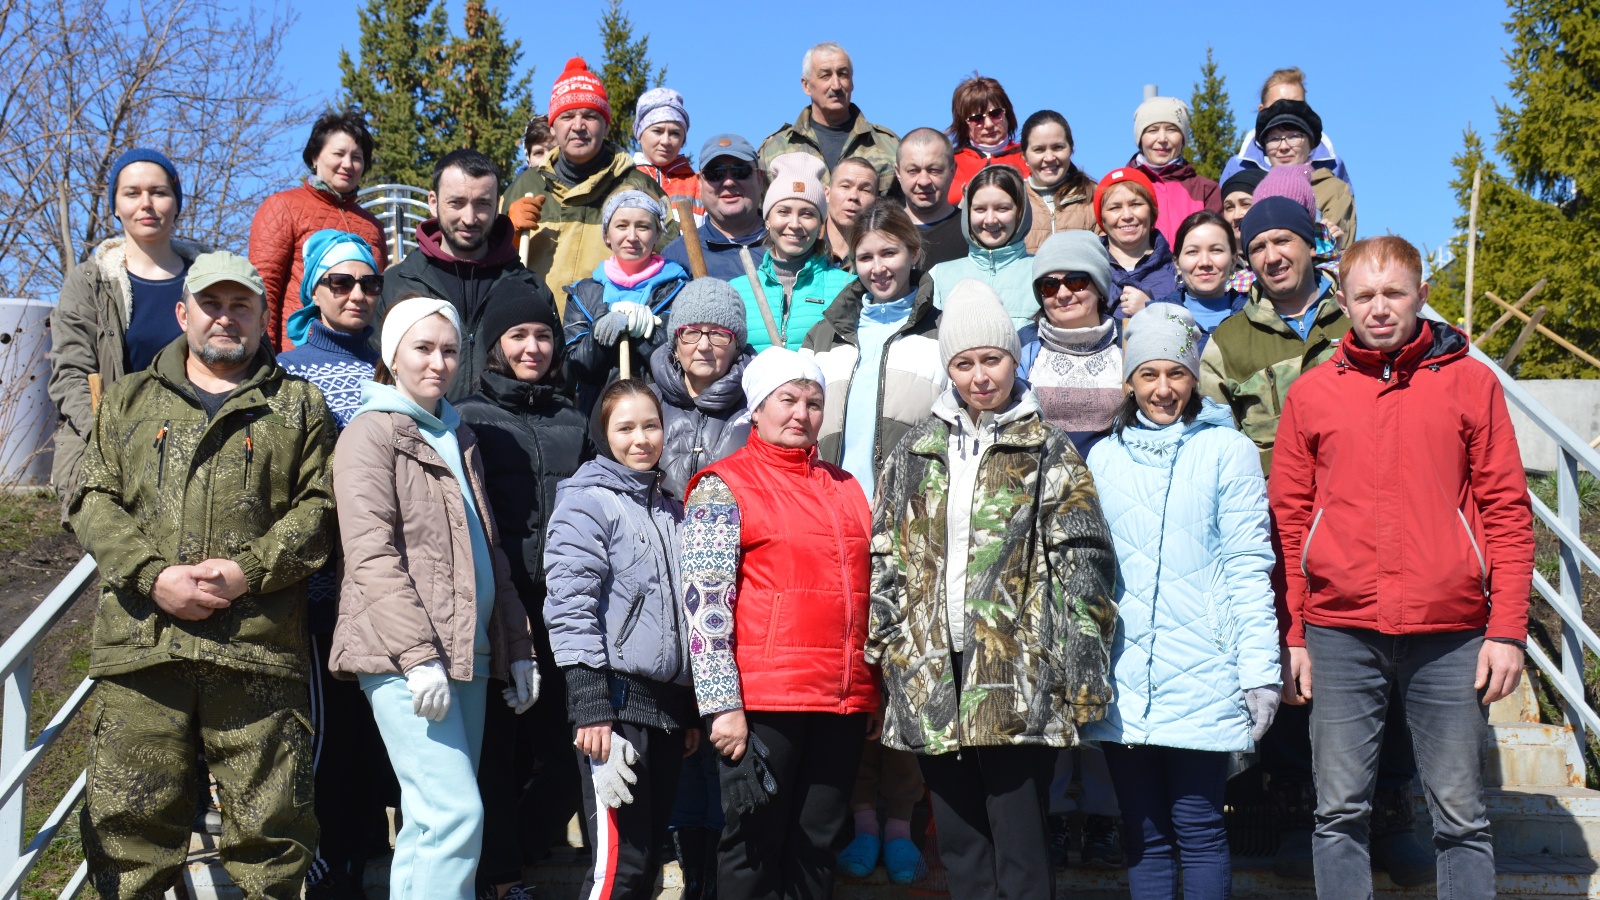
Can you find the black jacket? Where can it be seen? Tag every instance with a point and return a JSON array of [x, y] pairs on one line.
[[698, 430], [469, 284]]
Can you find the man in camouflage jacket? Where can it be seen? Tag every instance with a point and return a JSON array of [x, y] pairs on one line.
[[206, 501]]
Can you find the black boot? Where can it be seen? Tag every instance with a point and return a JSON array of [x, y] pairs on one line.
[[1395, 848], [688, 845], [1294, 808]]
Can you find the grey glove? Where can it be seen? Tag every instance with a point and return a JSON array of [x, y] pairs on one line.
[[613, 777], [1262, 703], [609, 327]]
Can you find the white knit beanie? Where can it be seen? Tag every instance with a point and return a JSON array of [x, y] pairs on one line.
[[796, 176], [1161, 331], [407, 313], [773, 368], [1160, 109], [974, 317]]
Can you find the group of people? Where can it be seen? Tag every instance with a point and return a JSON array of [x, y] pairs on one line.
[[883, 468]]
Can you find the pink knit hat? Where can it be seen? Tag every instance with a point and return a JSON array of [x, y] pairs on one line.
[[577, 88], [797, 176], [1292, 183]]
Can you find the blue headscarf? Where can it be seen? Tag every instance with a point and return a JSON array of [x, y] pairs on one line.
[[323, 250]]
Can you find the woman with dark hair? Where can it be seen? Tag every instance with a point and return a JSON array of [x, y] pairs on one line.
[[1207, 254], [1195, 661], [531, 439], [1059, 192], [983, 127], [337, 153], [995, 219]]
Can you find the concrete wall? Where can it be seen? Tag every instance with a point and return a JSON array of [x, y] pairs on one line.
[[1574, 401]]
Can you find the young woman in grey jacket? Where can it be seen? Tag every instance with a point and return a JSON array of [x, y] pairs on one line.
[[618, 634]]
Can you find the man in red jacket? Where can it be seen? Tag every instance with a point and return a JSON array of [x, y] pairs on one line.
[[1407, 535]]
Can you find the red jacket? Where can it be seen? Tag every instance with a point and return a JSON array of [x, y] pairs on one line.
[[969, 162], [1416, 456], [1180, 192], [800, 624], [279, 231], [679, 181]]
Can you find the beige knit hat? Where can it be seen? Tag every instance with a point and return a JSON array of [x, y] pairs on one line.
[[796, 176], [974, 317], [1160, 109]]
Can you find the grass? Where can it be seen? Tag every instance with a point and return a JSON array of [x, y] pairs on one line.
[[1544, 487], [20, 517]]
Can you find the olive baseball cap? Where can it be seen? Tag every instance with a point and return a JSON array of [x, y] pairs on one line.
[[214, 268]]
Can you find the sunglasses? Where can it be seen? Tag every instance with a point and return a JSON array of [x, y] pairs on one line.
[[978, 118], [739, 171], [342, 283], [717, 336], [1049, 285]]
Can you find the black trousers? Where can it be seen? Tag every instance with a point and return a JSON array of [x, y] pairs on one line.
[[627, 841], [354, 779], [989, 804], [788, 848]]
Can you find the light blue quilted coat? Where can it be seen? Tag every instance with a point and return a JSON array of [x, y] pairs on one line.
[[1187, 506]]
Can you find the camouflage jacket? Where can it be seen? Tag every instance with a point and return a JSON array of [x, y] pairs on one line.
[[1254, 355], [1038, 611], [873, 143], [164, 485]]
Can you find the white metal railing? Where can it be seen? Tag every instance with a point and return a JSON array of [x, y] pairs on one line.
[[401, 208], [19, 754]]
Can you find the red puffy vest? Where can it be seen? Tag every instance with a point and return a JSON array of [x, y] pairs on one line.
[[800, 623]]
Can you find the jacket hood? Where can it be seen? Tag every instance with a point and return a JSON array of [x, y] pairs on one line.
[[1434, 344], [611, 475], [1014, 244], [947, 406], [724, 394], [111, 254], [377, 397], [1159, 446], [844, 313], [170, 368], [502, 244]]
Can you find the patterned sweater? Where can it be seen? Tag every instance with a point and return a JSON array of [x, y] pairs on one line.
[[710, 573], [1077, 376]]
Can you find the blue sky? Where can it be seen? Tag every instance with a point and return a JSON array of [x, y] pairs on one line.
[[1394, 82]]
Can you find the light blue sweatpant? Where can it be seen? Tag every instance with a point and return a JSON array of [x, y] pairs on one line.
[[436, 852]]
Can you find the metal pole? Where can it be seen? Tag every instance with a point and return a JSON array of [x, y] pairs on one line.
[[1151, 90], [1472, 251], [1571, 575], [13, 743]]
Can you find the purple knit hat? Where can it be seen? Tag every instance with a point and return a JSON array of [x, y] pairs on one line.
[[1290, 182]]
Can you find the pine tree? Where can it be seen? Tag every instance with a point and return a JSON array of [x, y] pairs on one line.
[[626, 73], [487, 104], [1539, 219], [1214, 134], [395, 84]]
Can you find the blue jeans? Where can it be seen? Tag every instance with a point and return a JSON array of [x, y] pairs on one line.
[[1171, 800], [1352, 674], [437, 849]]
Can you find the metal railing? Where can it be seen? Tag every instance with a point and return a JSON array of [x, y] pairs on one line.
[[401, 208], [19, 755]]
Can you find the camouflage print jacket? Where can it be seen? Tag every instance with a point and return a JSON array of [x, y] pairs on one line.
[[1037, 610], [873, 143], [164, 485], [1254, 356]]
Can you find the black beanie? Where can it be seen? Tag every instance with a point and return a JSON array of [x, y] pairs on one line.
[[1289, 112], [533, 304], [1273, 213], [1246, 179]]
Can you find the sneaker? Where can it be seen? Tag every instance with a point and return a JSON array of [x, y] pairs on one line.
[[904, 861], [861, 857], [1101, 849], [1060, 840]]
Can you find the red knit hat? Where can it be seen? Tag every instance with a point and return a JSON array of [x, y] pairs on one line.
[[577, 88], [1118, 176]]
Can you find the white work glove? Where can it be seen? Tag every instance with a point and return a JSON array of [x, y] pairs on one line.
[[613, 777], [641, 321], [430, 690], [523, 691], [1262, 702]]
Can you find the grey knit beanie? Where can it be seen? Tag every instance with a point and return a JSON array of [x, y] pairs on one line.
[[1161, 331], [1076, 251], [974, 317], [630, 199], [711, 301]]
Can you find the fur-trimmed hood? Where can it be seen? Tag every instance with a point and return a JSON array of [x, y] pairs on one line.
[[111, 256]]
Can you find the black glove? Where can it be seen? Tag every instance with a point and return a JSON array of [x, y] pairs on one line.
[[748, 785]]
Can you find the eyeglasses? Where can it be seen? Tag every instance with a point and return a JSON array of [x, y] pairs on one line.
[[1287, 138], [717, 336], [738, 171], [1050, 285], [341, 283], [978, 118]]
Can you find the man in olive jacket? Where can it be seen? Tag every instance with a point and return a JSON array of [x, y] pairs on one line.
[[206, 501]]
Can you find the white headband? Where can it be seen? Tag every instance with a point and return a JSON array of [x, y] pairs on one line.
[[407, 313]]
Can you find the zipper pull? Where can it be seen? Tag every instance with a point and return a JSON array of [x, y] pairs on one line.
[[1386, 366]]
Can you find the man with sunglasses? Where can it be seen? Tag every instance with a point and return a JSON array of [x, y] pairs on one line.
[[731, 185], [832, 128]]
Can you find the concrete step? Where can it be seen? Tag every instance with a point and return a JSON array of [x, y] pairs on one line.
[[1549, 822], [1528, 754]]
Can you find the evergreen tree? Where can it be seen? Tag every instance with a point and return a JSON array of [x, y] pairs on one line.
[[1215, 136], [487, 104], [1540, 218], [395, 85], [627, 70]]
